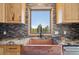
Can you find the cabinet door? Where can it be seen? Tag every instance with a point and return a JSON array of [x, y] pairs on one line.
[[13, 13], [70, 13], [67, 13], [2, 15]]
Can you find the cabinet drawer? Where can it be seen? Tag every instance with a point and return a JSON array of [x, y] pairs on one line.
[[13, 49]]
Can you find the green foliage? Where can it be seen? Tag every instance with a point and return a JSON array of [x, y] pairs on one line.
[[39, 29]]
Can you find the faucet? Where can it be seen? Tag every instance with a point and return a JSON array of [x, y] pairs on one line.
[[39, 30]]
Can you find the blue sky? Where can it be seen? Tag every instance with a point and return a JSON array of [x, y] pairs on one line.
[[40, 17]]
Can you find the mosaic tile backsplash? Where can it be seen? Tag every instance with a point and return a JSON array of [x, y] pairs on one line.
[[13, 30], [72, 31]]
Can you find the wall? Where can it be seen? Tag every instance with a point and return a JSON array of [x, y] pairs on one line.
[[21, 30], [54, 25], [72, 29]]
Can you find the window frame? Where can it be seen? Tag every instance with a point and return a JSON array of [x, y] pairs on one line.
[[51, 21]]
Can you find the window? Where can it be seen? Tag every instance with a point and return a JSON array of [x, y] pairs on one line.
[[40, 18], [40, 21]]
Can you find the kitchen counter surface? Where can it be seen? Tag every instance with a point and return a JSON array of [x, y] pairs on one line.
[[17, 41]]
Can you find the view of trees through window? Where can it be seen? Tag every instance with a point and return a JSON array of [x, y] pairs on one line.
[[40, 21]]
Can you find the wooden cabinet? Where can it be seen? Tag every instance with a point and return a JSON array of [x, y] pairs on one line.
[[12, 13], [68, 13]]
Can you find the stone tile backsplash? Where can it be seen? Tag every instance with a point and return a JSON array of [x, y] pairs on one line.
[[72, 31], [13, 30]]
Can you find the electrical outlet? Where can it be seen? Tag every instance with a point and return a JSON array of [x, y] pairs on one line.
[[4, 32], [56, 32], [64, 32]]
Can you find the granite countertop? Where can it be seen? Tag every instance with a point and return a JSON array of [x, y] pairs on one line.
[[21, 41]]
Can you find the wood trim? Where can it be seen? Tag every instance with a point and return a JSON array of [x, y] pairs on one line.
[[23, 7]]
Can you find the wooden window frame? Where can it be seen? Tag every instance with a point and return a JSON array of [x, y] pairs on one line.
[[51, 20]]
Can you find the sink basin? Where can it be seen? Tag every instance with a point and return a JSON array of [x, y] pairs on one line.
[[40, 42]]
